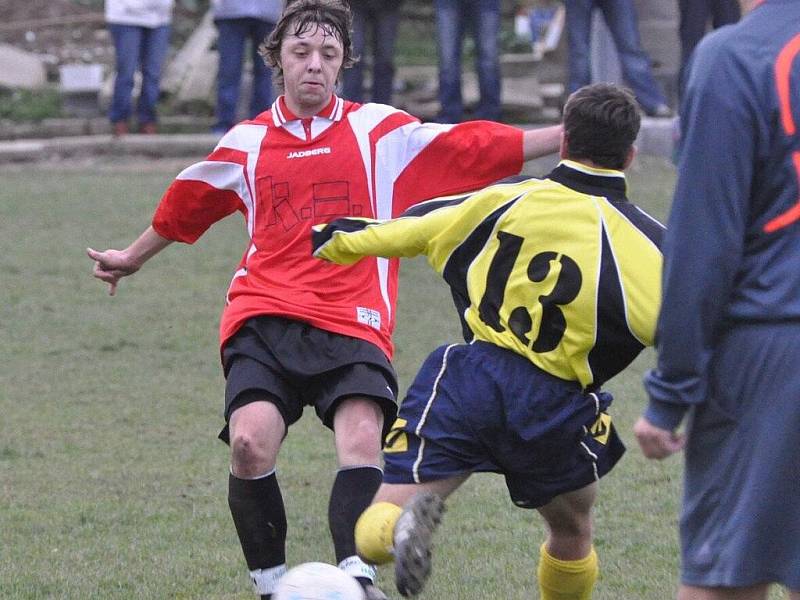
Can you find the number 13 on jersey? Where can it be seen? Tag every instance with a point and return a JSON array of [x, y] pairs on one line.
[[528, 296]]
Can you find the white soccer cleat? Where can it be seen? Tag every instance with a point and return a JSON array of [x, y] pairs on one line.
[[413, 535]]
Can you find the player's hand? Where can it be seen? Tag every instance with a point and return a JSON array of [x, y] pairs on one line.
[[656, 442], [111, 266]]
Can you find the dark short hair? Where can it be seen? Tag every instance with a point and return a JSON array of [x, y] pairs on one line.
[[601, 122], [303, 16]]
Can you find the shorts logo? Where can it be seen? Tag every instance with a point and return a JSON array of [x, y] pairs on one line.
[[601, 428], [368, 316], [396, 439]]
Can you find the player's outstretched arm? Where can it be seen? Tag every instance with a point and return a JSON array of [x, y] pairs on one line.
[[541, 142], [656, 442], [112, 265]]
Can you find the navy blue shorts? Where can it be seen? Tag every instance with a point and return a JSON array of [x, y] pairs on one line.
[[477, 407], [293, 364]]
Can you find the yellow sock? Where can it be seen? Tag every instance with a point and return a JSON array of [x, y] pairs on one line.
[[375, 532], [566, 579]]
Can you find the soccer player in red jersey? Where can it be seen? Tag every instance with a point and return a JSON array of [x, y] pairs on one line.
[[294, 331]]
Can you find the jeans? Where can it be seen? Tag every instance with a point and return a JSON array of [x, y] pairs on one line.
[[694, 17], [233, 33], [381, 18], [137, 47], [453, 18], [622, 21]]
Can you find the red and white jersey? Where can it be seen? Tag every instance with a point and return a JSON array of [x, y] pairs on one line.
[[286, 174]]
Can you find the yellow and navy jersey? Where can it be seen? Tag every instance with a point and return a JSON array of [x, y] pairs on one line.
[[562, 270]]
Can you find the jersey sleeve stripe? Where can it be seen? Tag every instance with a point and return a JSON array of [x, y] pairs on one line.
[[640, 221], [391, 166], [783, 71], [423, 208], [231, 155], [220, 175], [324, 234]]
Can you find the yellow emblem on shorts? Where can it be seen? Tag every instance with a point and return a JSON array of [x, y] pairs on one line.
[[396, 440], [601, 428]]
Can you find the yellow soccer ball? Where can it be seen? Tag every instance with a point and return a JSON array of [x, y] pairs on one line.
[[375, 532]]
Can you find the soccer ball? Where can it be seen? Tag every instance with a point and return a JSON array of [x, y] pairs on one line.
[[317, 581]]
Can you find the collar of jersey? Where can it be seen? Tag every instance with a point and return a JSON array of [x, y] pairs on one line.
[[590, 180], [282, 115]]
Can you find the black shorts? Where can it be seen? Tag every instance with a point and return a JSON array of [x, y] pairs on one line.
[[293, 364]]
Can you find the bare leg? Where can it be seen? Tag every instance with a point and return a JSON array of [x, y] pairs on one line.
[[357, 426], [401, 493], [569, 523], [257, 431], [254, 496], [568, 565]]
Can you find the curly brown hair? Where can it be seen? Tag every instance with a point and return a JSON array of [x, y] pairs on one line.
[[304, 16]]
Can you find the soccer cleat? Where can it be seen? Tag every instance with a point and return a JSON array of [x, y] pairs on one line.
[[413, 536], [373, 592]]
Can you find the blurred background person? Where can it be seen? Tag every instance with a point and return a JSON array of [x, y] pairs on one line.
[[376, 20], [694, 19], [237, 22], [622, 20], [482, 19], [141, 33], [533, 20]]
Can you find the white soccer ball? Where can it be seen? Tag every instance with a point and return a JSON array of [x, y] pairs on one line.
[[317, 581]]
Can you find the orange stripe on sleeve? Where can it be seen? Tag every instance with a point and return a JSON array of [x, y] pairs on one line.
[[783, 74], [791, 215]]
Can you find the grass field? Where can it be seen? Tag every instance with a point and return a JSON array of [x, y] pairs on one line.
[[112, 482]]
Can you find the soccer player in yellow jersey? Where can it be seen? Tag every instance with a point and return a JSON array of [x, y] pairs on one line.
[[557, 282]]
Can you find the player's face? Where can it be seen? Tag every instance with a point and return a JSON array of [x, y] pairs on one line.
[[311, 63]]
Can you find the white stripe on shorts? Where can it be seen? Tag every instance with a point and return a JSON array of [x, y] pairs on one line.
[[594, 460], [421, 451]]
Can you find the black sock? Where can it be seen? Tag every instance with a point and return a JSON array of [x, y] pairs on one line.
[[352, 493], [258, 513]]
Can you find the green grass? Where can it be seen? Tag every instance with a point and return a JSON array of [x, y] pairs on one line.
[[112, 484], [25, 105]]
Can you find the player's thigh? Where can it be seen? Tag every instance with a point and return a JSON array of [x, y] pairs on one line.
[[400, 493], [571, 513], [755, 592]]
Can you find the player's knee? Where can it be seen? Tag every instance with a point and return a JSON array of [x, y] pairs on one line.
[[375, 532], [365, 438], [360, 440], [249, 458]]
